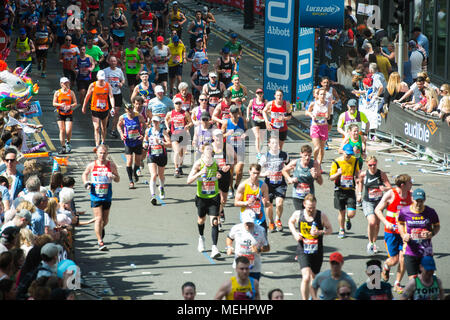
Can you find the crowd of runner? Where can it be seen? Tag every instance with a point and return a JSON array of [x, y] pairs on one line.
[[134, 85]]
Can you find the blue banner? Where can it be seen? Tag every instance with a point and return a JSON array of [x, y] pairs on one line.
[[34, 110], [322, 13], [305, 64], [278, 48]]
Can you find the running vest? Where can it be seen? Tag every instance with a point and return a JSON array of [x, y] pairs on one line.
[[147, 23], [198, 27], [224, 111], [235, 139], [358, 145], [132, 64], [257, 110], [186, 101], [101, 184], [178, 121], [214, 93], [147, 94], [155, 148], [22, 47], [239, 292], [42, 38], [320, 111], [258, 206], [208, 185], [160, 55], [83, 66], [118, 32], [174, 19], [347, 179], [132, 131], [52, 14], [203, 136], [426, 293], [305, 184], [225, 77], [276, 114], [66, 98], [237, 94], [348, 121], [274, 164], [100, 98], [201, 79], [393, 209], [310, 244], [372, 183]]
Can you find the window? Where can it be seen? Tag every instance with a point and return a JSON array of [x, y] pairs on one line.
[[441, 40]]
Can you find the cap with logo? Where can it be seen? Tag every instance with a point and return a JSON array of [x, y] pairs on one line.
[[419, 194], [160, 39], [248, 216], [64, 80], [336, 257], [159, 89]]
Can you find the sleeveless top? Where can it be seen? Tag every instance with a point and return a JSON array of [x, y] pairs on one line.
[[178, 121], [203, 135], [310, 244], [132, 64], [275, 116], [147, 23], [225, 77], [393, 209], [201, 79], [257, 110], [101, 184], [372, 183], [208, 185], [274, 164], [147, 94], [83, 66], [198, 27], [348, 121], [186, 101], [320, 111], [132, 131], [214, 93], [118, 32], [155, 148], [239, 292], [66, 98], [305, 184], [23, 46], [100, 98], [42, 38], [235, 138], [258, 206]]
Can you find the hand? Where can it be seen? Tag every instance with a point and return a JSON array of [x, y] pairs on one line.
[[254, 249], [226, 168], [251, 201], [83, 110], [314, 172], [339, 171], [110, 175], [230, 251], [292, 180], [406, 237], [298, 236], [314, 232]]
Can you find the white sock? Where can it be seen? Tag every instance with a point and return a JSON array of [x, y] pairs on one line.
[[152, 185]]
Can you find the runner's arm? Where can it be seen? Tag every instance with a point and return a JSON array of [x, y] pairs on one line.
[[265, 194], [328, 229], [87, 171], [238, 199], [195, 173], [387, 185], [381, 206], [292, 223], [87, 97], [409, 289], [223, 290], [317, 175], [287, 171]]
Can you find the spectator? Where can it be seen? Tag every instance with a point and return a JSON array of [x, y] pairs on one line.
[[65, 216], [7, 289], [49, 255], [38, 219], [379, 83], [368, 50], [388, 51], [444, 103], [26, 240], [395, 88], [416, 87], [429, 103], [188, 291], [9, 239], [275, 294], [56, 181], [6, 265], [21, 219], [416, 59], [421, 39], [344, 74], [344, 291], [11, 172], [50, 218], [383, 63], [369, 289], [327, 281]]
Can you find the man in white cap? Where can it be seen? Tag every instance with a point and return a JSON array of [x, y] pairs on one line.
[[159, 105], [249, 240], [50, 259], [65, 100], [214, 89], [20, 220], [102, 95]]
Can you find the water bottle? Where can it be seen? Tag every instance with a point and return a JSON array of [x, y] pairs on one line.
[[314, 227], [112, 112], [35, 148]]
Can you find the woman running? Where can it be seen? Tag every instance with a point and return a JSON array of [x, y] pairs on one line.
[[256, 107]]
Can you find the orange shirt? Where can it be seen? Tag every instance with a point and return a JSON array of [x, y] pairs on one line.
[[100, 97], [66, 98], [68, 53]]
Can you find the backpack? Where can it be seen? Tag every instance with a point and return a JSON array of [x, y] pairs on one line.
[[26, 280]]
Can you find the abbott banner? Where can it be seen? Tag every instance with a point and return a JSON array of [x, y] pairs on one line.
[[426, 131], [322, 13], [305, 64]]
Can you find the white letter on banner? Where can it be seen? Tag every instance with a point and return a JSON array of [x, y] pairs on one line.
[[280, 5], [274, 61], [305, 61], [373, 12]]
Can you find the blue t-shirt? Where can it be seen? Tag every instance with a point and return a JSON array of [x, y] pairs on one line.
[[328, 285], [38, 222], [160, 108]]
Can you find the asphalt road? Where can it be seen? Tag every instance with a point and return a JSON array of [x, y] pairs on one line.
[[153, 249]]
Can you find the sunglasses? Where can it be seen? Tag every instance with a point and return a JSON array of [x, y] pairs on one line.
[[178, 103], [68, 40], [259, 92], [345, 294], [201, 99], [10, 160], [372, 165]]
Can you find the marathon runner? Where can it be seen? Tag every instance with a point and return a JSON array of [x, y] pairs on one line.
[[43, 40], [200, 78], [255, 108], [187, 100], [179, 122], [24, 48], [178, 59], [272, 164], [68, 56], [64, 100], [144, 89], [148, 23], [306, 171], [132, 59], [203, 106], [253, 194], [176, 19], [197, 55], [156, 141], [279, 112], [197, 29], [222, 110], [333, 99], [235, 49], [118, 25], [102, 96], [207, 199], [149, 66], [312, 225], [352, 115], [213, 90], [131, 126], [202, 133], [96, 53], [159, 105], [226, 67], [375, 182], [238, 93], [98, 178], [209, 18], [161, 55], [83, 66], [393, 200]]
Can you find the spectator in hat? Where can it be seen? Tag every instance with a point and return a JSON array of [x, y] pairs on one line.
[[327, 281], [426, 286], [178, 59], [159, 105], [49, 263], [9, 238], [21, 220]]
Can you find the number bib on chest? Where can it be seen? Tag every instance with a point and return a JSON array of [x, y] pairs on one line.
[[156, 150], [346, 181], [133, 134], [208, 186], [302, 189], [310, 246], [374, 193], [256, 206], [101, 190], [275, 177]]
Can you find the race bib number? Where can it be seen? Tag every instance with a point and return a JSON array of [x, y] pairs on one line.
[[208, 186], [346, 181], [101, 104], [134, 134], [275, 177], [302, 189], [178, 124], [132, 64], [157, 150], [176, 59], [321, 118], [277, 122], [310, 246], [227, 73], [375, 193], [416, 234], [101, 190], [256, 206], [43, 47]]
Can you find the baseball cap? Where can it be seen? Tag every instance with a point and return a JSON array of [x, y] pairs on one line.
[[235, 76], [199, 39], [9, 233], [227, 94], [159, 89], [259, 90], [348, 149], [337, 257], [233, 35], [419, 194], [248, 216], [174, 3], [352, 103], [175, 39], [226, 50], [101, 75], [213, 74], [412, 43], [24, 213], [205, 115], [177, 99], [156, 118], [50, 249], [205, 61], [160, 39], [64, 80], [428, 263], [22, 31]]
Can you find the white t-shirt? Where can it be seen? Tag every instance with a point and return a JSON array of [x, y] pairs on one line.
[[416, 59], [161, 54], [48, 222], [243, 241], [114, 77]]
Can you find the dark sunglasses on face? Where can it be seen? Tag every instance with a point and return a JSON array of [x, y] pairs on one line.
[[201, 99], [10, 160], [344, 294]]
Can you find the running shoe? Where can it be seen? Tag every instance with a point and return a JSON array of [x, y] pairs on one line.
[[231, 194], [348, 224], [62, 150], [101, 246], [385, 273], [341, 234], [181, 170], [279, 225], [271, 227], [68, 147], [177, 173], [370, 250], [113, 134], [139, 172], [201, 244], [215, 253], [43, 75], [375, 250], [162, 194], [136, 177], [222, 216], [131, 185], [153, 200], [326, 146], [358, 204], [220, 227], [398, 288]]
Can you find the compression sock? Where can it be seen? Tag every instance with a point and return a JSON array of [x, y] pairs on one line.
[[201, 229], [215, 234], [135, 169], [161, 182], [130, 174]]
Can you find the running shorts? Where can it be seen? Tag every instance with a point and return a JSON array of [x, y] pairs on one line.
[[83, 84], [260, 124], [207, 206], [161, 161], [162, 77], [176, 71], [117, 100], [345, 199], [313, 261], [282, 135], [62, 117], [412, 264], [276, 191], [106, 205], [100, 114], [224, 181], [319, 132], [136, 149], [393, 243]]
